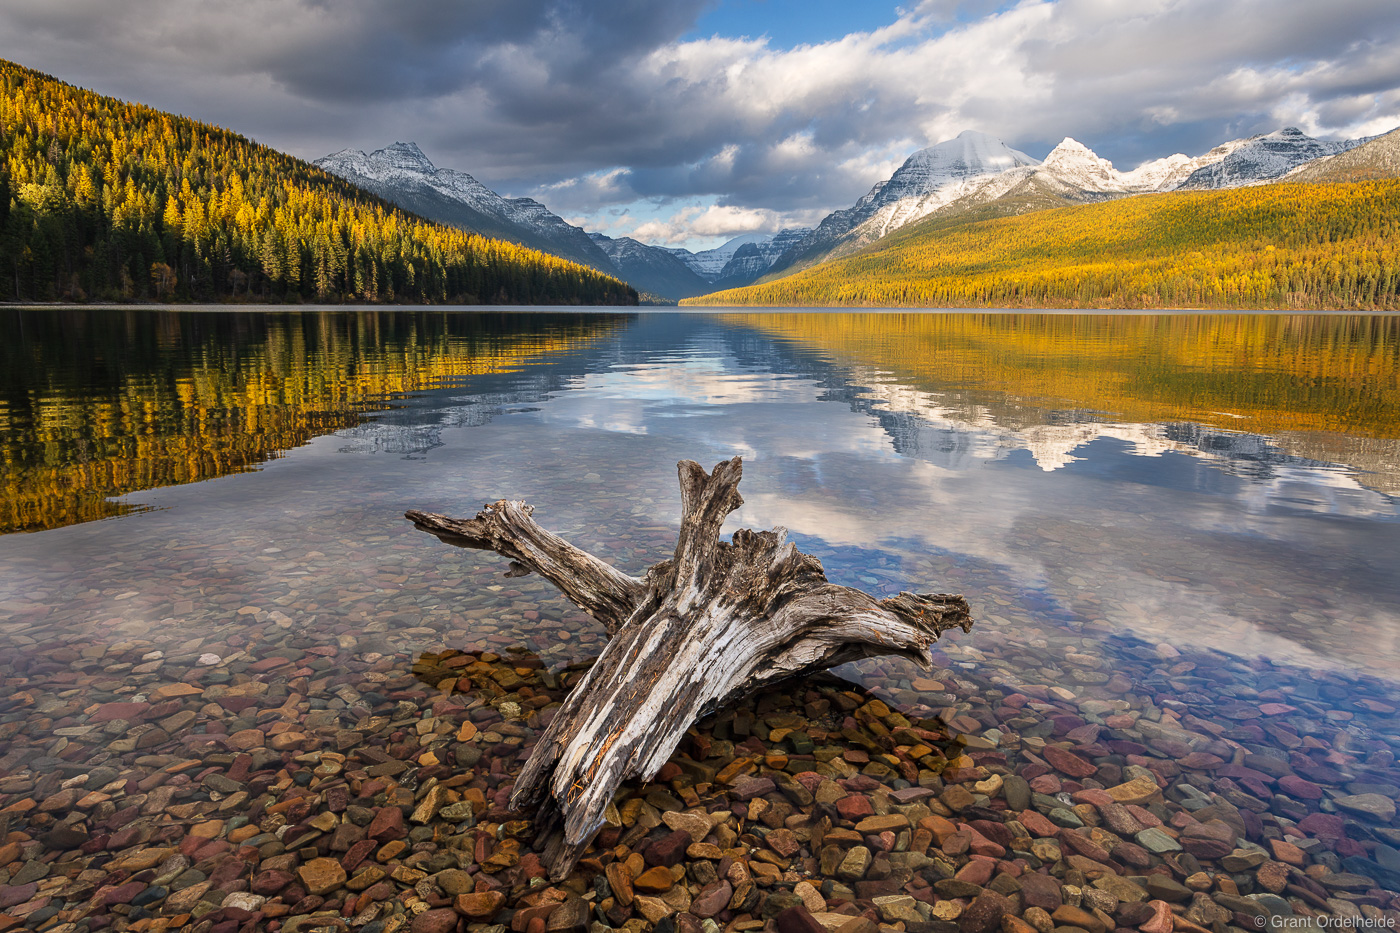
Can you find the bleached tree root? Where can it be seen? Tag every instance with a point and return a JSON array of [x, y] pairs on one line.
[[717, 621]]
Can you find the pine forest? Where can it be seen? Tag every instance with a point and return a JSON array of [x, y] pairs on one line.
[[106, 200], [1275, 246]]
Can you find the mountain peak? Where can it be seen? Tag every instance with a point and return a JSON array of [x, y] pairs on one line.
[[1262, 158], [405, 156], [1070, 144], [969, 153], [346, 154], [1076, 163]]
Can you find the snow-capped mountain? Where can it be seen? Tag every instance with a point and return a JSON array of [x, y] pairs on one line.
[[1262, 158], [403, 174], [1076, 164], [976, 171], [738, 261], [1163, 174], [928, 180], [709, 263], [973, 172], [1378, 157], [680, 273], [652, 268], [755, 257]]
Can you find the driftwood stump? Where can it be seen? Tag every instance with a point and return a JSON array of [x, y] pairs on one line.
[[715, 622]]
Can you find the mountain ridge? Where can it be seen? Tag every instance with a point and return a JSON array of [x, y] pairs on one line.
[[972, 174], [1378, 157], [105, 199], [982, 170], [1280, 246], [403, 174]]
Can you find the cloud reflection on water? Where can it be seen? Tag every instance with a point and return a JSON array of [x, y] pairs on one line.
[[1156, 520]]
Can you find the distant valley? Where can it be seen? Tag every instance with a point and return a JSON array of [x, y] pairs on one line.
[[104, 200], [1303, 242], [403, 174], [974, 175]]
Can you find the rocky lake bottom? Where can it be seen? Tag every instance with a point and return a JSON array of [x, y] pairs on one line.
[[264, 702]]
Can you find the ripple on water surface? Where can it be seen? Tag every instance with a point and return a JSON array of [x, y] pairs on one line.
[[268, 694]]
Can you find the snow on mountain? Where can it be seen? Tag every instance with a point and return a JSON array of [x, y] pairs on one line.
[[709, 263], [1378, 157], [1262, 158], [1161, 174], [976, 170], [1076, 164], [933, 177], [970, 171], [404, 164], [756, 257], [968, 155], [755, 253], [927, 181], [403, 174], [651, 268]]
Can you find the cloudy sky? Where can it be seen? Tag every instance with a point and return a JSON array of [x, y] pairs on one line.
[[689, 121]]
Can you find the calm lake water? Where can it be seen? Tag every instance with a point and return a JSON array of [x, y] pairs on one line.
[[1204, 504]]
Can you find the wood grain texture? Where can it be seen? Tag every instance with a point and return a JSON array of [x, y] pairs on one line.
[[506, 527], [717, 621]]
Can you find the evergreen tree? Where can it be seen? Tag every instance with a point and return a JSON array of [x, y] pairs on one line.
[[1283, 246], [100, 199]]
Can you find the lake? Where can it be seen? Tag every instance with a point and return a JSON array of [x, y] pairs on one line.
[[1178, 533]]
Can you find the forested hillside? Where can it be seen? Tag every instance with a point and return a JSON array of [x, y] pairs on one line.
[[106, 200], [180, 398], [1281, 246]]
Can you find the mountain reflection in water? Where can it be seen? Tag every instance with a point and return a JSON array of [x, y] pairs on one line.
[[1217, 480]]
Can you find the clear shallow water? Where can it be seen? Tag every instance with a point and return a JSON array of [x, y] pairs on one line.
[[948, 449], [1205, 504]]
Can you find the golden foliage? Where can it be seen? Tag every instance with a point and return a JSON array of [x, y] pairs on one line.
[[102, 199], [1261, 373], [169, 399], [1287, 247]]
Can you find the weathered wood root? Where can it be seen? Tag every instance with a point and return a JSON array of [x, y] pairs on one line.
[[717, 621]]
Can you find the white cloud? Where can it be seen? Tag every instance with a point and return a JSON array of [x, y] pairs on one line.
[[600, 104], [715, 222]]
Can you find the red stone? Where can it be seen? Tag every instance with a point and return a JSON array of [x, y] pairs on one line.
[[713, 898], [441, 920], [108, 712], [1068, 763], [1084, 846], [669, 850], [121, 894], [358, 853], [1037, 824], [978, 872], [1043, 891], [387, 824], [1294, 786], [981, 845], [855, 807], [1201, 761], [798, 919], [1323, 826], [1161, 921]]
